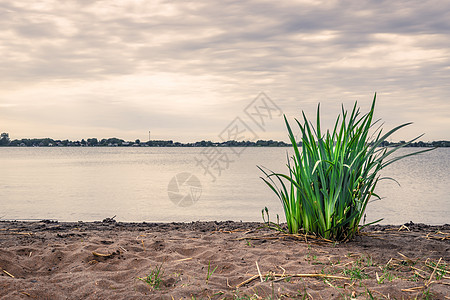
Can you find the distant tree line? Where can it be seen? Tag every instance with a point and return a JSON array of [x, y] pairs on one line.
[[115, 142], [418, 144]]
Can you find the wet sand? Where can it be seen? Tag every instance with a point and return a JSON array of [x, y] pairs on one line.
[[219, 260]]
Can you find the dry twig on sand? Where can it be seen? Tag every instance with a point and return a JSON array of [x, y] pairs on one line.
[[438, 236], [102, 254], [283, 276], [7, 273], [15, 232]]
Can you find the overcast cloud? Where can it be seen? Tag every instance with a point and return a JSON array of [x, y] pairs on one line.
[[185, 70]]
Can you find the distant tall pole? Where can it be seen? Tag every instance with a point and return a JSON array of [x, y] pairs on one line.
[[149, 135]]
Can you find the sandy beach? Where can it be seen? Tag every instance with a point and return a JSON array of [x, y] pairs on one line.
[[219, 260]]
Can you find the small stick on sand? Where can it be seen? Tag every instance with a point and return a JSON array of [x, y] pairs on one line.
[[418, 269], [20, 233], [183, 259], [292, 275], [9, 274], [228, 284], [315, 275], [413, 289], [389, 262], [434, 271], [420, 275], [101, 254], [305, 236], [259, 272], [437, 236], [403, 227], [265, 236], [406, 257], [444, 271], [284, 271], [247, 281]]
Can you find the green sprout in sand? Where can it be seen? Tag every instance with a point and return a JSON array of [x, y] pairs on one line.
[[154, 278], [210, 272]]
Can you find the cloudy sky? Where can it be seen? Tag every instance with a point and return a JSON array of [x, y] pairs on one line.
[[185, 70]]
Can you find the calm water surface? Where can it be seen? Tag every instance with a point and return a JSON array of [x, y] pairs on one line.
[[71, 184]]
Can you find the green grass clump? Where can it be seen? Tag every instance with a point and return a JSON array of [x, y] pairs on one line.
[[334, 174], [154, 278]]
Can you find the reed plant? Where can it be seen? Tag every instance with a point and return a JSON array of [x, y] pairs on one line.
[[332, 176]]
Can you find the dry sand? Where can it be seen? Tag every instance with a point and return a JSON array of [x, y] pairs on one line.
[[49, 260]]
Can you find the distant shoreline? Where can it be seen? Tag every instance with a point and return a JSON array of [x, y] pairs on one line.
[[115, 142]]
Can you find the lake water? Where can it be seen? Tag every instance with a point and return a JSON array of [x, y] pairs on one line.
[[71, 184]]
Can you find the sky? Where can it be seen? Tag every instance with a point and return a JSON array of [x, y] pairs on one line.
[[191, 70]]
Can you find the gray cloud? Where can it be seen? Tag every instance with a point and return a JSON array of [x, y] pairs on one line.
[[222, 54]]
